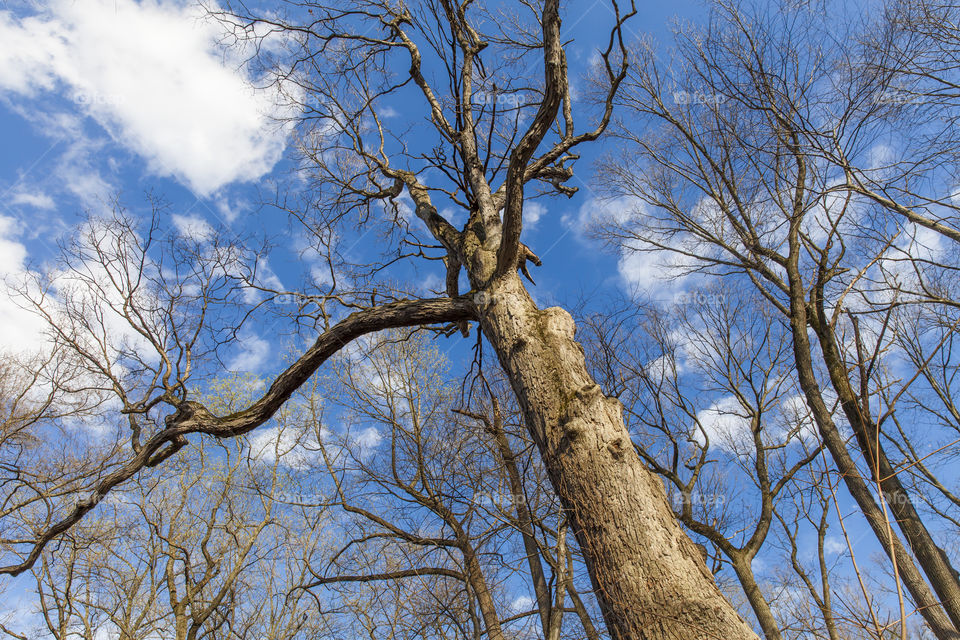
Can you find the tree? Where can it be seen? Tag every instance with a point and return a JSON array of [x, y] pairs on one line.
[[342, 64], [764, 171], [669, 387], [434, 511], [204, 547]]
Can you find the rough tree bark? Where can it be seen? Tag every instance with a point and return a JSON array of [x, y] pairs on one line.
[[649, 576]]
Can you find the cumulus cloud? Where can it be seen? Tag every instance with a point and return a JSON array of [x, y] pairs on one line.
[[151, 74], [663, 367], [34, 200], [521, 603], [367, 439], [294, 448], [797, 421], [595, 211], [834, 545], [532, 212], [90, 291], [725, 425], [657, 272]]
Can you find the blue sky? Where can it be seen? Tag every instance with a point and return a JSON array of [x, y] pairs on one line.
[[110, 97], [122, 97]]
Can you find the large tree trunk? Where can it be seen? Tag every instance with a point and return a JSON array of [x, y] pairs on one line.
[[650, 579]]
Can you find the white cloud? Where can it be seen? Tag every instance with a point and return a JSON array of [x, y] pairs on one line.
[[431, 283], [798, 421], [193, 227], [879, 159], [75, 169], [90, 291], [834, 545], [26, 67], [725, 425], [657, 272], [896, 271], [12, 253], [35, 200], [295, 448], [532, 212], [20, 332], [521, 603], [79, 168], [230, 210], [252, 355], [663, 367], [105, 287], [595, 210], [264, 278], [151, 74], [367, 439]]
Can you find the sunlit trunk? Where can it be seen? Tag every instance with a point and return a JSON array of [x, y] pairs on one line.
[[649, 577]]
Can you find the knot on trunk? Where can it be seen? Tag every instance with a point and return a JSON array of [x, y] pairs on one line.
[[556, 320], [188, 412], [617, 448]]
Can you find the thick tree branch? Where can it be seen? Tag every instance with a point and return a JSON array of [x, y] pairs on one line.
[[389, 575], [555, 88], [192, 417]]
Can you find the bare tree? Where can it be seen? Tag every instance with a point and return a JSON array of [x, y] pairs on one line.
[[751, 177], [436, 506], [343, 64], [200, 548]]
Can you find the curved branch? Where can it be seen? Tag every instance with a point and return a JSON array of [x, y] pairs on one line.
[[192, 417]]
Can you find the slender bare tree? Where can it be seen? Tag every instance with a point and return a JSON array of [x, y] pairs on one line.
[[438, 510]]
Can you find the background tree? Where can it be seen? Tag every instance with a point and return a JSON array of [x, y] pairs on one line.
[[758, 174], [202, 547]]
